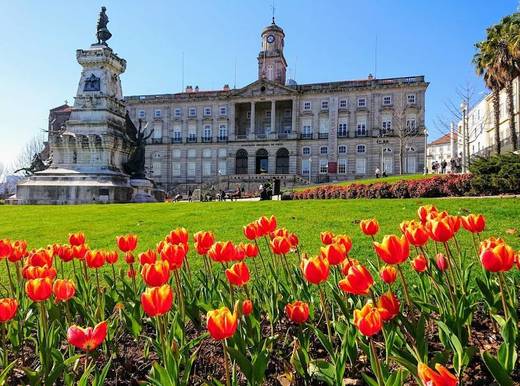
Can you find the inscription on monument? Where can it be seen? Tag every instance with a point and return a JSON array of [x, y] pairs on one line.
[[92, 83]]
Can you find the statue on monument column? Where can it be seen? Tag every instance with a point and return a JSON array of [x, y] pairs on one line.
[[137, 138], [103, 34]]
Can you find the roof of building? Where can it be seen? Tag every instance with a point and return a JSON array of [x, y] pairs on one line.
[[446, 138], [273, 27], [65, 108]]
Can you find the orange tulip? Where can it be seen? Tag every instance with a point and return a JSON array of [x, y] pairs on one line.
[[440, 229], [266, 225], [420, 263], [247, 307], [203, 241], [315, 269], [156, 274], [334, 253], [388, 274], [174, 254], [178, 236], [65, 253], [18, 251], [222, 251], [424, 211], [280, 245], [358, 281], [8, 307], [76, 239], [32, 272], [238, 274], [127, 243], [388, 306], [39, 290], [251, 250], [393, 249], [79, 251], [87, 339], [111, 257], [474, 223], [222, 324], [157, 301], [416, 234], [368, 320], [345, 241], [63, 289], [369, 227], [148, 257], [41, 257], [297, 312], [326, 237], [345, 266], [280, 232], [440, 377], [498, 258], [95, 259], [251, 231]]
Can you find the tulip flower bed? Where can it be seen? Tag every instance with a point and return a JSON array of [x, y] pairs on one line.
[[431, 300]]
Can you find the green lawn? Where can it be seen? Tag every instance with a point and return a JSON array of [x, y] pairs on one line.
[[365, 181], [42, 225]]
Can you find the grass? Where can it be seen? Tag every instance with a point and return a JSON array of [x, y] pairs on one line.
[[367, 181], [42, 225]]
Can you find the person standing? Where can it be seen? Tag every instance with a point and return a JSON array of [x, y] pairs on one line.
[[378, 172]]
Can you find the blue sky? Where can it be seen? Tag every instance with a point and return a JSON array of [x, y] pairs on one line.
[[325, 41]]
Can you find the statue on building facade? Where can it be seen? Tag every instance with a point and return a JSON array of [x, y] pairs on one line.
[[137, 138], [38, 164], [103, 34]]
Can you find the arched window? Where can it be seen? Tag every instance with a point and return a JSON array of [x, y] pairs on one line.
[[282, 161], [241, 162], [262, 161]]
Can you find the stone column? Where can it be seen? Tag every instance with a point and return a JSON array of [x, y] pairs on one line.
[[273, 117], [232, 122], [252, 123], [293, 116]]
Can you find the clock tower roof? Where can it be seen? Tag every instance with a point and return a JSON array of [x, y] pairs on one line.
[[273, 27]]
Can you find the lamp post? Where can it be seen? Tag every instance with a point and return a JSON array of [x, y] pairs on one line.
[[310, 170], [425, 151], [465, 148]]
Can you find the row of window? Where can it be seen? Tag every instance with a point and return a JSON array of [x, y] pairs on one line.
[[341, 166], [361, 126], [192, 112], [192, 153], [361, 102], [191, 168], [342, 149]]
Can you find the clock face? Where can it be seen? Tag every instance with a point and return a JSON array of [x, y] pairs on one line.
[[270, 39]]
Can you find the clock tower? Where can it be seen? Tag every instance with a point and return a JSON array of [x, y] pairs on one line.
[[271, 62]]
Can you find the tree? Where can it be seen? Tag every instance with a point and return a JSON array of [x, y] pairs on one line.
[[25, 159]]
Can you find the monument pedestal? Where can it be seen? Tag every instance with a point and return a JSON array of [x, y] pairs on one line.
[[144, 190]]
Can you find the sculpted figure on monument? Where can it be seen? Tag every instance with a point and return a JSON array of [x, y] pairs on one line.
[[103, 34], [37, 165], [137, 138]]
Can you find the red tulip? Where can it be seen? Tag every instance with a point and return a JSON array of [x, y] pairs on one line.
[[280, 232], [79, 251], [63, 289], [18, 251], [416, 234], [148, 257], [358, 281], [420, 263], [326, 237], [315, 269], [440, 229], [39, 290], [111, 257], [156, 274], [368, 320], [393, 249], [345, 266], [178, 236], [203, 241], [499, 258], [251, 231], [240, 252], [424, 211], [266, 225], [8, 307], [222, 324], [76, 239], [157, 301], [95, 259], [474, 223], [293, 239], [32, 272], [247, 307], [65, 252], [127, 243], [5, 249], [280, 245], [441, 262], [369, 227], [334, 253], [345, 241], [129, 258], [222, 251], [41, 257], [87, 339], [388, 306], [238, 274], [251, 250], [440, 377], [174, 254], [297, 312], [388, 274], [131, 273]]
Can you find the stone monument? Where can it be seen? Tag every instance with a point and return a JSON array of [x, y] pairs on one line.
[[94, 156]]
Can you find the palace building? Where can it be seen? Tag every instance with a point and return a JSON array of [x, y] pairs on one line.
[[276, 129]]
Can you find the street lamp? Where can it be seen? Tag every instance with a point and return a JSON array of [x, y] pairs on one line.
[[465, 139], [425, 151], [310, 169]]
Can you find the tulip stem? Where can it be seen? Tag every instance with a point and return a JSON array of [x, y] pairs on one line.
[[181, 295], [226, 365], [405, 287], [10, 278], [502, 294], [62, 270], [324, 306], [114, 275], [379, 373]]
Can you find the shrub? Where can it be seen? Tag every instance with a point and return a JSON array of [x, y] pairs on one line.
[[497, 174]]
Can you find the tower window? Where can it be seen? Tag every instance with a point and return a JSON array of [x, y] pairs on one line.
[[410, 98], [387, 100], [307, 105]]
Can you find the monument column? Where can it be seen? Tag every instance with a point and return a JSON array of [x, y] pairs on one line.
[[252, 123], [273, 117], [293, 116]]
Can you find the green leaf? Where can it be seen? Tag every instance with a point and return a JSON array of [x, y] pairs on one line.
[[322, 371], [496, 369], [5, 372], [369, 380]]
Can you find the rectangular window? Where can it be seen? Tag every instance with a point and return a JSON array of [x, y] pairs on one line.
[[222, 131], [191, 169], [207, 131], [141, 114], [343, 104], [361, 129], [206, 168], [410, 124], [268, 114], [306, 151], [324, 166], [248, 115], [362, 102], [307, 105], [410, 98], [192, 112], [305, 167], [361, 164], [177, 112], [324, 150], [222, 167], [156, 168], [176, 169], [223, 110], [324, 125], [324, 105], [207, 111], [177, 134], [387, 100], [342, 149], [386, 125], [342, 166], [157, 113], [287, 113], [342, 127]]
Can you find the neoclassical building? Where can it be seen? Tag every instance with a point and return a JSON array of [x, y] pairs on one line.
[[277, 129]]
